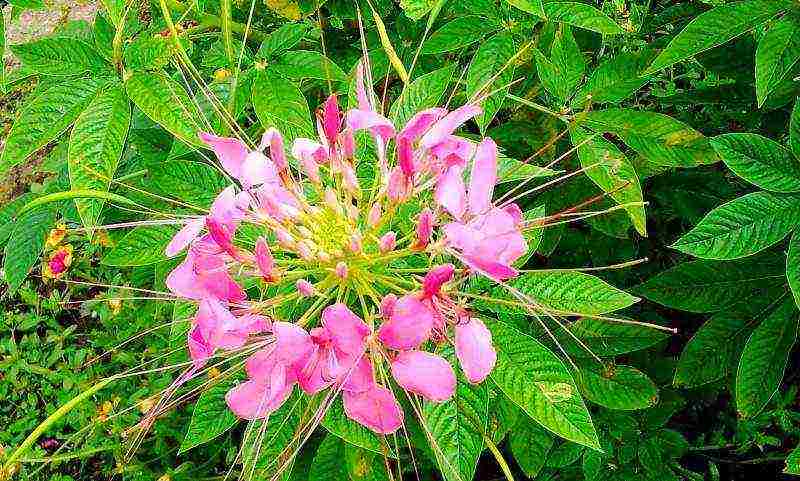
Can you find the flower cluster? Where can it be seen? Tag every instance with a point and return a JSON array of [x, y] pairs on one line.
[[325, 240]]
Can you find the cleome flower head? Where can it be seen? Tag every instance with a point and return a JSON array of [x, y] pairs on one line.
[[368, 249]]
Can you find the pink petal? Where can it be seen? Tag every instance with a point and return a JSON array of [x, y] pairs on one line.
[[454, 150], [348, 332], [421, 122], [225, 209], [387, 242], [451, 192], [398, 187], [483, 177], [426, 374], [348, 143], [474, 349], [424, 228], [376, 408], [184, 237], [331, 118], [358, 119], [493, 269], [361, 90], [199, 348], [405, 156], [254, 400], [273, 138], [258, 169], [304, 287], [447, 125], [359, 378], [436, 278], [409, 325], [230, 152], [264, 259]]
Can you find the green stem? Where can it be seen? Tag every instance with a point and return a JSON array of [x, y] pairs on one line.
[[47, 423], [225, 26], [498, 456], [207, 20]]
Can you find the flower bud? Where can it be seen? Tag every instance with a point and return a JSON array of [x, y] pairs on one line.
[[348, 143], [374, 215], [331, 118], [435, 278], [387, 242], [424, 229], [285, 238], [304, 288], [387, 305], [341, 270], [264, 260], [355, 242]]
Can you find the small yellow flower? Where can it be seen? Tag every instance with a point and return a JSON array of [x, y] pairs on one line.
[[165, 478], [101, 238], [213, 372], [146, 405], [116, 306], [56, 235], [221, 74]]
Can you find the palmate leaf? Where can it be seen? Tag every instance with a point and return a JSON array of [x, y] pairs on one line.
[[537, 381], [715, 27], [709, 286], [457, 427], [26, 243], [714, 349], [61, 56], [794, 130], [424, 92], [211, 416], [793, 462], [764, 358], [488, 72], [658, 138], [614, 174], [617, 387], [282, 39], [166, 103], [95, 147], [530, 444], [142, 246], [328, 463], [760, 161], [742, 227], [47, 116], [777, 53], [279, 103]]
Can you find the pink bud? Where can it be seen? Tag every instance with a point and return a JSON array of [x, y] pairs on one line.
[[355, 242], [374, 215], [398, 188], [331, 118], [352, 212], [424, 228], [264, 260], [348, 143], [341, 270], [435, 278], [284, 238], [350, 180], [331, 200], [405, 156], [304, 251], [387, 242], [304, 288], [387, 305], [221, 235]]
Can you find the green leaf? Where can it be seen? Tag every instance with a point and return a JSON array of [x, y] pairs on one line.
[[46, 116], [709, 286], [715, 348], [211, 416], [60, 56], [657, 137], [742, 227], [488, 72], [78, 194], [282, 39], [25, 245], [279, 103], [194, 183], [530, 444], [760, 161], [764, 359], [563, 455], [338, 424], [537, 381], [95, 148], [269, 445], [416, 9], [328, 463], [793, 266], [302, 64], [617, 387], [424, 92], [614, 80], [613, 173], [533, 7], [2, 52], [166, 103], [457, 427], [611, 338], [777, 53], [148, 53], [793, 462], [581, 15], [794, 130], [566, 292], [564, 70], [715, 27], [142, 246], [8, 213], [458, 33]]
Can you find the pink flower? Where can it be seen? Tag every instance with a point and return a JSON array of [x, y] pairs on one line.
[[426, 374], [264, 261], [445, 127], [273, 372], [274, 140], [435, 279], [248, 167], [387, 242], [331, 119], [338, 345], [492, 237], [409, 324], [424, 228], [216, 327], [474, 349], [369, 404], [304, 288], [226, 212], [204, 274]]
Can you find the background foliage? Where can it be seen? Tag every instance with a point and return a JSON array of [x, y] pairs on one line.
[[689, 106]]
